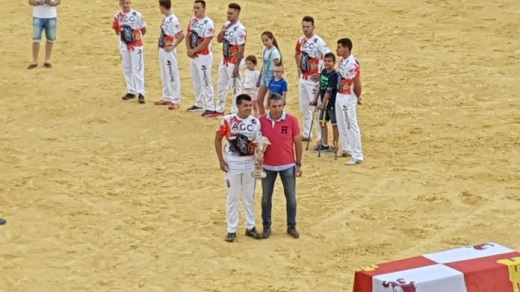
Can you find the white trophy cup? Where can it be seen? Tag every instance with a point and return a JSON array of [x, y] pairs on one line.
[[261, 146]]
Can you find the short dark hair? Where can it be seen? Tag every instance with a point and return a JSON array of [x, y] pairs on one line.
[[234, 6], [251, 59], [308, 19], [274, 96], [346, 43], [330, 56], [165, 3], [202, 2], [242, 97]]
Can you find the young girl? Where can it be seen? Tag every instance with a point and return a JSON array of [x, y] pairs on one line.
[[271, 55], [250, 78]]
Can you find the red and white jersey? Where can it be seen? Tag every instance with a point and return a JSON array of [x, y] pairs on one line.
[[348, 69], [234, 37], [311, 51], [198, 30], [133, 19], [169, 28], [240, 134]]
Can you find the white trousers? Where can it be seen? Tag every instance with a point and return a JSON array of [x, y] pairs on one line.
[[171, 81], [239, 180], [202, 81], [307, 90], [133, 69], [225, 79], [349, 132]]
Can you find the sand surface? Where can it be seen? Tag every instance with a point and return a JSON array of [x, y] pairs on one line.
[[105, 195]]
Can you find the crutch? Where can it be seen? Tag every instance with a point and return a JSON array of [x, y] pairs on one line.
[[310, 131], [322, 124]]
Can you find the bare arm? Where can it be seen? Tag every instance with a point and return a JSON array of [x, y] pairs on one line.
[[240, 56], [178, 39], [53, 2], [298, 63], [220, 36], [36, 2], [358, 88], [276, 61], [218, 149], [202, 46], [143, 31]]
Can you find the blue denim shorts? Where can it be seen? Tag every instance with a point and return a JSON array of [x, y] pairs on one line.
[[47, 24]]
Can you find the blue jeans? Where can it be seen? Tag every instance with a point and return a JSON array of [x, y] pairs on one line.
[[47, 24], [288, 177]]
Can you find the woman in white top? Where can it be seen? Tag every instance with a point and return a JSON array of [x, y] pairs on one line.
[[45, 17]]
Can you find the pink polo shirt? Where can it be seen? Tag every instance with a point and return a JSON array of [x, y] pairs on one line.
[[281, 134]]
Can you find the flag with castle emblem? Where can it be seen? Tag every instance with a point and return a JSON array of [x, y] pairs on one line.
[[488, 267]]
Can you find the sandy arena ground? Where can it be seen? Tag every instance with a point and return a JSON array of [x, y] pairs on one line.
[[105, 195]]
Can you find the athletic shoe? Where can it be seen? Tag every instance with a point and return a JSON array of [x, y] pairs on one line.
[[292, 232], [128, 96], [174, 106], [266, 232], [214, 115], [231, 237], [353, 162], [207, 112], [141, 98], [194, 108], [2, 221], [162, 102], [326, 148], [253, 233]]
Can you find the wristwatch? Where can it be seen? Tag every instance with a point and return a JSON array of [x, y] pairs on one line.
[[298, 164]]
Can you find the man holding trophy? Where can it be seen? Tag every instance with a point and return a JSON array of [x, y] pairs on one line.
[[238, 162]]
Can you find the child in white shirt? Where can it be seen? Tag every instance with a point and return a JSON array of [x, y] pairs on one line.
[[250, 77]]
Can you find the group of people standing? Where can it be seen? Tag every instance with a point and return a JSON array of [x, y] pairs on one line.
[[334, 92]]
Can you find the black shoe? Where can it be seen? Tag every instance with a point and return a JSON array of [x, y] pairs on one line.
[[292, 232], [2, 221], [194, 108], [231, 237], [325, 148], [253, 233], [266, 232], [207, 112], [128, 96], [141, 98]]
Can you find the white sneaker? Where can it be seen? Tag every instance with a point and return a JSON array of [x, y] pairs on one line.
[[353, 162]]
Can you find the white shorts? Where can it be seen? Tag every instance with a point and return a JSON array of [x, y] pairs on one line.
[[251, 92]]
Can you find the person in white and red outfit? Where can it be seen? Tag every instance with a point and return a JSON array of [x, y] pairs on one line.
[[347, 99], [129, 24], [201, 30], [238, 162], [171, 36], [310, 50], [233, 39]]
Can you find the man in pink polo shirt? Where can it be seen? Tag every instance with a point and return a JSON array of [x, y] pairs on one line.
[[284, 157]]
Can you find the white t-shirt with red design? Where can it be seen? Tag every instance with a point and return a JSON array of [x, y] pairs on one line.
[[348, 69], [169, 28], [133, 19], [239, 148], [313, 49], [234, 37], [202, 28]]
